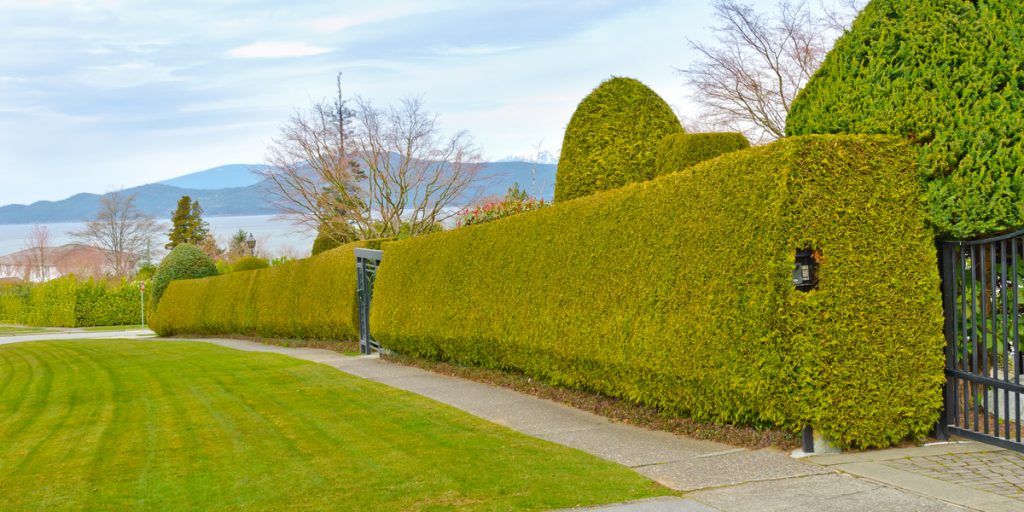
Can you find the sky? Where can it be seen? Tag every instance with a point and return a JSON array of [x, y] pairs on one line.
[[107, 94]]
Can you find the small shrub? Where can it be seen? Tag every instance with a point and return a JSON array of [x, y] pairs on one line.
[[323, 243], [612, 138], [249, 263], [516, 201], [681, 150], [185, 261]]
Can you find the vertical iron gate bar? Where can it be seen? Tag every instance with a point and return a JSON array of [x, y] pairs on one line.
[[1016, 332], [974, 330], [987, 407]]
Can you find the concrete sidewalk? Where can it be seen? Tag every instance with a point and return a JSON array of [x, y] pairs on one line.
[[74, 334], [714, 476]]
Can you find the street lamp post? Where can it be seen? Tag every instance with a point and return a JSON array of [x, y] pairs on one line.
[[251, 242]]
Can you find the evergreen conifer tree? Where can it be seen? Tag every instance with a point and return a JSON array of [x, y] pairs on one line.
[[188, 226]]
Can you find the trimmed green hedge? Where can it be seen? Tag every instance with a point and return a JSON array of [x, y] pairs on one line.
[[612, 137], [249, 263], [681, 150], [946, 74], [66, 302], [677, 292], [312, 298]]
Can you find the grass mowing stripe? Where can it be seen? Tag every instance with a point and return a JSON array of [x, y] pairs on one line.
[[59, 447], [33, 402], [6, 371], [192, 426]]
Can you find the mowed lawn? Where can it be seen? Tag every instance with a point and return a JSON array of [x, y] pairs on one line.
[[134, 424]]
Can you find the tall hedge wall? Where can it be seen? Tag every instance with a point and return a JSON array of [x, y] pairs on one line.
[[612, 138], [677, 292], [681, 150], [947, 74], [67, 302], [312, 298]]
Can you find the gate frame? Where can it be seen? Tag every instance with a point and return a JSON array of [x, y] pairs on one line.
[[367, 263], [950, 252]]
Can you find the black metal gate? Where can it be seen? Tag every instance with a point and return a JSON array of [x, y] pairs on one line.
[[367, 261], [981, 285]]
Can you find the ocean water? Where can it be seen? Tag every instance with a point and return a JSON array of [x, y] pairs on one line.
[[274, 236]]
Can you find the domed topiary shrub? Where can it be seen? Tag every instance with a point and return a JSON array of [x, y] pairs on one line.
[[185, 261], [681, 150], [943, 73], [612, 138], [323, 243], [249, 263]]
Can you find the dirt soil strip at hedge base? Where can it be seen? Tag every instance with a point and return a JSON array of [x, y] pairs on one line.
[[128, 424]]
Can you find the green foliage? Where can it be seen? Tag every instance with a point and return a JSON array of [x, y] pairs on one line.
[[101, 303], [323, 243], [188, 226], [681, 150], [944, 74], [612, 137], [312, 298], [696, 314], [249, 263], [66, 302], [185, 261], [145, 272]]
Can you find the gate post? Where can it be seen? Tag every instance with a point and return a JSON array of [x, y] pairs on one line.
[[947, 274], [367, 261]]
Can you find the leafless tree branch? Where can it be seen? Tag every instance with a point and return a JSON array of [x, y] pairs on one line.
[[748, 79], [121, 230]]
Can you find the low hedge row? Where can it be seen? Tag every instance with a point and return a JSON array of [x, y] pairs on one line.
[[678, 293], [67, 302], [312, 298], [681, 150]]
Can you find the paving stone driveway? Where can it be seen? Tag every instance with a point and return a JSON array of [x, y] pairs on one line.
[[999, 471]]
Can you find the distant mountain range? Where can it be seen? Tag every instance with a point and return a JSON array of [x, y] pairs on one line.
[[234, 189]]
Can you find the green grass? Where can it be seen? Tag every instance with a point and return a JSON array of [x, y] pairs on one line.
[[114, 327], [143, 425], [11, 330]]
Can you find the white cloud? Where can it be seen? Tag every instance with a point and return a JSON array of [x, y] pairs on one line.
[[276, 50], [480, 50]]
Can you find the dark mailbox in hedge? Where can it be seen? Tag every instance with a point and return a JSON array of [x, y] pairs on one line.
[[679, 293]]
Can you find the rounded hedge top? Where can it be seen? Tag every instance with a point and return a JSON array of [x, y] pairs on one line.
[[944, 73], [185, 261], [249, 263], [612, 138]]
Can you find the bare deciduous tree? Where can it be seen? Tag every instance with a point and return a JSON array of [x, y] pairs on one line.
[[120, 230], [310, 177], [749, 79], [38, 253], [389, 173], [415, 175]]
